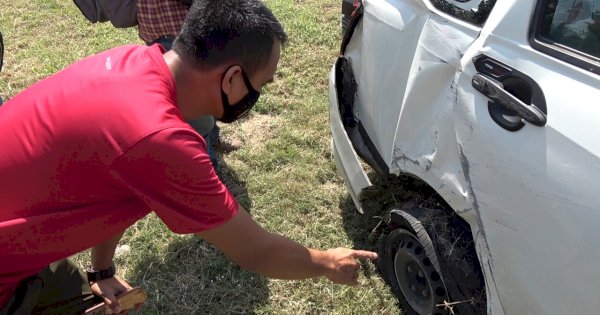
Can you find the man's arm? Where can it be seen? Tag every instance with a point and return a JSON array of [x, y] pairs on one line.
[[102, 254], [275, 256], [108, 289]]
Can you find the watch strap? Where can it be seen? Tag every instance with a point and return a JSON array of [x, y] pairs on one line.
[[94, 275]]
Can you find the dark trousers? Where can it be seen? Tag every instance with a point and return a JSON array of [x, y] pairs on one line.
[[61, 288]]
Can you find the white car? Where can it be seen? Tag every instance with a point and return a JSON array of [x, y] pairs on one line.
[[486, 116]]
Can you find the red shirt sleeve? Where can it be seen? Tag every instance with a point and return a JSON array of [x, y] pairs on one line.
[[171, 172]]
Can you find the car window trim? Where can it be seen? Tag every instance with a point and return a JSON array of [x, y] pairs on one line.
[[555, 49]]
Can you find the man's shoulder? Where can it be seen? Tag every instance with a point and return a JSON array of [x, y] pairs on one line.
[[122, 93], [125, 78], [121, 58]]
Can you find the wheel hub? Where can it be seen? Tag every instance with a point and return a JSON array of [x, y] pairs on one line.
[[413, 274]]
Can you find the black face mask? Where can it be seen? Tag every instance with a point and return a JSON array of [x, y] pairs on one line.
[[233, 112]]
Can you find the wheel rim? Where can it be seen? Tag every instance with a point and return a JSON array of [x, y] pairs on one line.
[[414, 273]]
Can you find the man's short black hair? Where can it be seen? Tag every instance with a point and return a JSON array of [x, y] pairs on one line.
[[217, 32]]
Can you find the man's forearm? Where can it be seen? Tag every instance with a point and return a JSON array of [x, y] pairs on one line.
[[276, 256], [103, 253], [285, 259]]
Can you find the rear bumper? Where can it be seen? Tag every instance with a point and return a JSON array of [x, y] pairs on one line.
[[346, 158]]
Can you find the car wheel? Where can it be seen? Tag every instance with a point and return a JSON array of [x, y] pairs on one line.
[[422, 269]]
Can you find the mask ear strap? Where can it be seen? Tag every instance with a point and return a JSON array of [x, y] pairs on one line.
[[248, 82]]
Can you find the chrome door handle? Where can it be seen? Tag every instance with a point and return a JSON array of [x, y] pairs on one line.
[[495, 91]]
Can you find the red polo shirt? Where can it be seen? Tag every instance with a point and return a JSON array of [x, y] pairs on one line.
[[92, 149]]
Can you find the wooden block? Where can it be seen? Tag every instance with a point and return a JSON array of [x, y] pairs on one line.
[[128, 301]]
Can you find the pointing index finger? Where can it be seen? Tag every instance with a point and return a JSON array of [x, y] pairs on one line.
[[364, 254]]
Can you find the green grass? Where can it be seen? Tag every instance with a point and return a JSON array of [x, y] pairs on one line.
[[285, 164]]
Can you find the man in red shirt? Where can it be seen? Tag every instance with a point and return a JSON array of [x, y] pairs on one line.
[[92, 149]]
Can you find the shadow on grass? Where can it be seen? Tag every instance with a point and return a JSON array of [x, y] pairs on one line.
[[385, 192], [364, 228], [193, 277], [358, 227], [228, 176]]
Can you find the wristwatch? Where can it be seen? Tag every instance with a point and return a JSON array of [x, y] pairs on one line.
[[94, 275]]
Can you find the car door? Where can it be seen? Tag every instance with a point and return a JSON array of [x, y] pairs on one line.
[[527, 125]]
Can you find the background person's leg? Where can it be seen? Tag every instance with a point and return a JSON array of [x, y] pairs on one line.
[[223, 144], [165, 41], [205, 126]]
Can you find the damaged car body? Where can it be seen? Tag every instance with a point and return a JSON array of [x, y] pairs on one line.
[[493, 106]]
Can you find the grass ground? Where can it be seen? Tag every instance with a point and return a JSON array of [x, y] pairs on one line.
[[285, 165]]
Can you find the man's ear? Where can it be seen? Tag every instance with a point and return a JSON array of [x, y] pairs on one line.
[[229, 78]]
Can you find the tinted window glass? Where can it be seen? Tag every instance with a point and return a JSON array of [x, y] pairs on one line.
[[573, 23], [472, 11]]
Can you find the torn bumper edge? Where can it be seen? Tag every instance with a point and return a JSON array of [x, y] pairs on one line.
[[346, 158]]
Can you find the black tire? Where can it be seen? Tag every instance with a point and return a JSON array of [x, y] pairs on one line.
[[427, 259]]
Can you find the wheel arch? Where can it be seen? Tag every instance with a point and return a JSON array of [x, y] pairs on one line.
[[422, 208], [416, 197]]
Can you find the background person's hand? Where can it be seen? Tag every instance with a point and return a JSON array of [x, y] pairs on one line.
[[344, 265], [108, 289], [594, 27]]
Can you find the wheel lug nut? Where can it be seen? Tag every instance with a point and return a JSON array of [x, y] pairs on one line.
[[425, 293], [414, 288], [420, 273], [409, 269]]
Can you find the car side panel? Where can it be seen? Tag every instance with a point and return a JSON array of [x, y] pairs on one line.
[[536, 190]]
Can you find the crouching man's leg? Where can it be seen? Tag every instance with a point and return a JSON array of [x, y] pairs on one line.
[[61, 288]]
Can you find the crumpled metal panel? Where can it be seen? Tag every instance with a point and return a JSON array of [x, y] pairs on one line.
[[381, 55]]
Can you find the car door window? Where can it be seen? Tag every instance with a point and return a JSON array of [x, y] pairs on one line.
[[472, 11], [574, 24]]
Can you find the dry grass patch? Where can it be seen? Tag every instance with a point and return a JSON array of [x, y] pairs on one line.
[[256, 130]]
